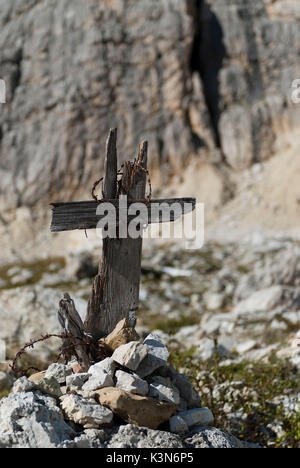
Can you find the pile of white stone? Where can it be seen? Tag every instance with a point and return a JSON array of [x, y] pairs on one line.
[[134, 384], [131, 399]]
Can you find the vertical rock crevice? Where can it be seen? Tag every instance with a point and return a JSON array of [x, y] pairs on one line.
[[207, 59], [16, 76]]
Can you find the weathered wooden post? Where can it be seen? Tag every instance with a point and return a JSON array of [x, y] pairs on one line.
[[115, 292]]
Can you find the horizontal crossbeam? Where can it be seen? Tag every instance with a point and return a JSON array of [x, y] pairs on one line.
[[83, 214]]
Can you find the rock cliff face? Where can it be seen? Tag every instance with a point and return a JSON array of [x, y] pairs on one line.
[[247, 53], [196, 78]]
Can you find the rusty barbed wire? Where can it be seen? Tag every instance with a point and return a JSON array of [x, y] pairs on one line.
[[63, 336], [31, 344]]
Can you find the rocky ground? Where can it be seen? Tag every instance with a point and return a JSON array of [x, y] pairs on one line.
[[228, 313], [246, 299], [244, 295]]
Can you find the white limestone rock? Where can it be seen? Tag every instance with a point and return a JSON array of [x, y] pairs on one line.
[[211, 437], [98, 380], [108, 365], [76, 381], [59, 372], [83, 441], [88, 413], [131, 436], [157, 356], [130, 355], [50, 386], [32, 420], [23, 385], [260, 301], [186, 389], [247, 345], [190, 398], [164, 393], [197, 417], [131, 383], [207, 350], [214, 301]]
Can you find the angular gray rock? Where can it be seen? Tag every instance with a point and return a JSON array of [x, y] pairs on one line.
[[157, 356], [197, 417], [182, 405], [207, 350], [130, 436], [211, 437], [23, 385], [190, 396], [164, 393], [131, 383], [32, 420], [98, 380], [187, 390], [76, 381], [88, 413], [108, 365], [260, 302], [130, 355], [59, 372], [245, 346], [83, 441], [50, 386]]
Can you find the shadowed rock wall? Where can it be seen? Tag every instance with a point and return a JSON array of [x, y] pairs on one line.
[[196, 78]]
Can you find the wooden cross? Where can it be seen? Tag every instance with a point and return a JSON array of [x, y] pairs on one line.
[[115, 292]]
